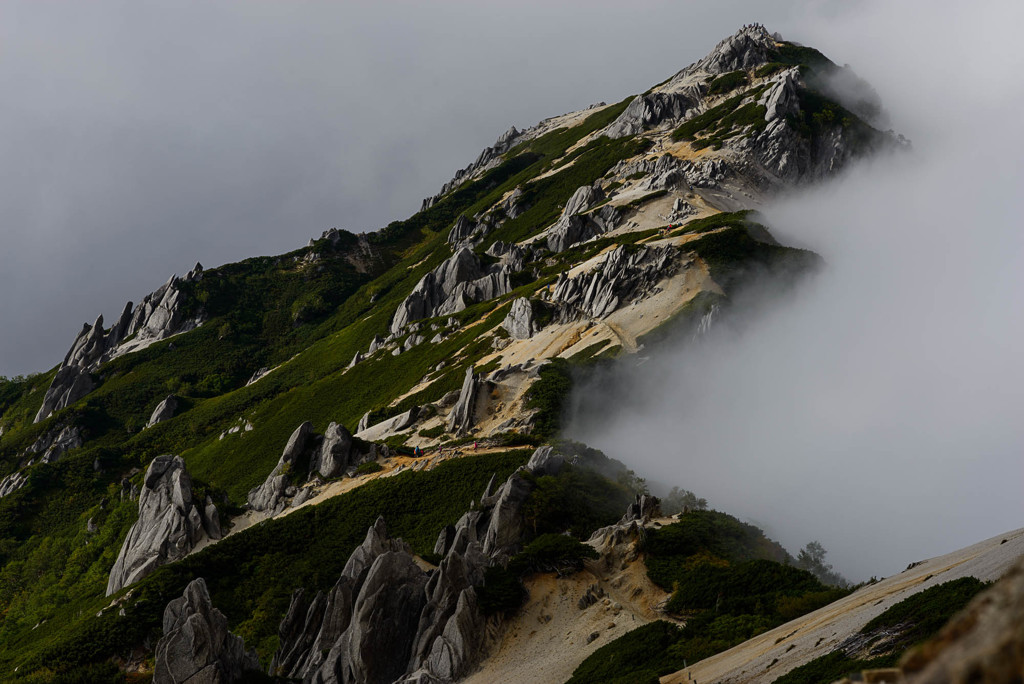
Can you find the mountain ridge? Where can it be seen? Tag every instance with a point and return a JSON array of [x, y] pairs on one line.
[[360, 368]]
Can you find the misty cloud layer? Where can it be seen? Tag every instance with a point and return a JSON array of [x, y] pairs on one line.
[[879, 410]]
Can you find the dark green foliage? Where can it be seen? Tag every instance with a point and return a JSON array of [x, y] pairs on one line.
[[689, 129], [640, 656], [812, 559], [819, 115], [547, 196], [548, 395], [502, 591], [738, 219], [552, 553], [928, 610], [433, 433], [770, 68], [646, 198], [735, 257], [678, 500], [369, 467], [832, 667], [728, 82], [704, 532], [792, 54], [752, 587], [588, 352], [727, 597], [578, 500]]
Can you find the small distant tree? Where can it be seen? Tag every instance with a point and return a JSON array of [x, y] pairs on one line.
[[633, 482], [679, 500], [812, 559]]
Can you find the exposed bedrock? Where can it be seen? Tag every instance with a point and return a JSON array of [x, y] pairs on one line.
[[171, 522], [159, 315], [387, 620], [197, 647], [306, 456], [456, 283], [624, 276]]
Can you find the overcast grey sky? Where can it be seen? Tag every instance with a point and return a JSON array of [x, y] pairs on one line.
[[879, 410], [137, 138]]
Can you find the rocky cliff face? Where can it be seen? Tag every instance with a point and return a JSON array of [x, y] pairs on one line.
[[487, 159], [160, 315], [197, 647], [623, 276], [306, 457], [48, 448], [386, 620], [171, 522], [458, 282]]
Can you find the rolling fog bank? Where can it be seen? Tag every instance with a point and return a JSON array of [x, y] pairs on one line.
[[877, 408]]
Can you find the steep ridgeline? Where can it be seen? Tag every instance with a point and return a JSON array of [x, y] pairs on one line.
[[160, 315], [454, 333]]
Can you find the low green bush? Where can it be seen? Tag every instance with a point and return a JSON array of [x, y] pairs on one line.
[[552, 553], [727, 82]]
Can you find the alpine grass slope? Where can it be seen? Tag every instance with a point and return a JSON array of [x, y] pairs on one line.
[[343, 464]]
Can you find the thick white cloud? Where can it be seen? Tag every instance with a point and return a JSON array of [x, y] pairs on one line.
[[878, 410]]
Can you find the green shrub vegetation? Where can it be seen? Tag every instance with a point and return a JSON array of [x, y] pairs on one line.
[[578, 500], [552, 553], [548, 396], [368, 468], [726, 578], [727, 82]]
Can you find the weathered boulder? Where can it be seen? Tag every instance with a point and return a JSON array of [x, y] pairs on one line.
[[271, 495], [466, 233], [643, 509], [456, 283], [389, 426], [781, 98], [506, 526], [574, 227], [56, 442], [336, 452], [170, 523], [749, 47], [378, 642], [519, 323], [545, 461], [197, 647], [622, 277], [463, 414], [163, 411], [584, 198], [651, 110], [13, 482]]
